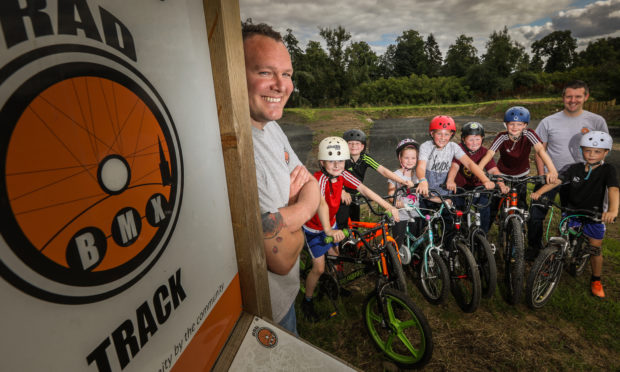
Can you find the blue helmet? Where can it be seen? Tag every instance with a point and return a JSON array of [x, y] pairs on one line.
[[517, 113]]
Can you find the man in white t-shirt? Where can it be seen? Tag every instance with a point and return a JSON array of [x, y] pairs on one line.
[[560, 134], [288, 194]]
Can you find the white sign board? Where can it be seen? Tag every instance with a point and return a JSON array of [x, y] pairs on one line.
[[116, 245]]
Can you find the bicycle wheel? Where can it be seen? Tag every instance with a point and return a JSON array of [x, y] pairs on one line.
[[580, 258], [398, 328], [483, 254], [513, 260], [433, 279], [395, 269], [465, 279], [544, 277]]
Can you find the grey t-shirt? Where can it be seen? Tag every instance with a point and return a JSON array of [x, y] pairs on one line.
[[275, 160], [438, 162], [562, 134]]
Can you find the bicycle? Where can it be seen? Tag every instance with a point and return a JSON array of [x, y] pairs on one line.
[[481, 249], [395, 324], [461, 265], [511, 234], [422, 253], [567, 250]]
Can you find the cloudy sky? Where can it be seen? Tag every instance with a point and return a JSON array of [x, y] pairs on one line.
[[380, 22]]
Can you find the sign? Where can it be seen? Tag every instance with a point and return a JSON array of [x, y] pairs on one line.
[[116, 245]]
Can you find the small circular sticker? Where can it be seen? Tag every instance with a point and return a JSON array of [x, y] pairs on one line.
[[266, 337]]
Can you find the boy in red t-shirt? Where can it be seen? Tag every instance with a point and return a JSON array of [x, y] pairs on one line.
[[333, 151]]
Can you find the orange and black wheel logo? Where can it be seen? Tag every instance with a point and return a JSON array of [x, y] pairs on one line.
[[267, 337], [91, 176]]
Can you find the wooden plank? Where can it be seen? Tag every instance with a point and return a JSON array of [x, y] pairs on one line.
[[228, 68]]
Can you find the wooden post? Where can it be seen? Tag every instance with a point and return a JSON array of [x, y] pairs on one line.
[[228, 68]]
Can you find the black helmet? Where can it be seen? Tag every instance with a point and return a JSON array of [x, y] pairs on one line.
[[407, 142], [472, 128], [355, 135]]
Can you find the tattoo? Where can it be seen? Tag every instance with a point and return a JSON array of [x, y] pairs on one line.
[[275, 249], [272, 224], [279, 239]]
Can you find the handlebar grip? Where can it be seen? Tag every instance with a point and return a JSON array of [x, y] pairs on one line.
[[330, 239]]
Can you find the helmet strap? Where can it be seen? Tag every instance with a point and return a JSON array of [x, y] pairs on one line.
[[590, 167]]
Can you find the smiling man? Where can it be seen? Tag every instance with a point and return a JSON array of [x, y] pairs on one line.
[[288, 194], [561, 134]]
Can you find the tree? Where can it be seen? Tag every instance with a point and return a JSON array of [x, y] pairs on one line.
[[335, 40], [600, 52], [460, 57], [433, 56], [386, 62], [503, 54], [362, 63], [313, 78], [409, 56], [559, 48], [297, 55]]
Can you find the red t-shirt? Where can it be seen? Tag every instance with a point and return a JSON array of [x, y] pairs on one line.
[[465, 178], [332, 191], [514, 157]]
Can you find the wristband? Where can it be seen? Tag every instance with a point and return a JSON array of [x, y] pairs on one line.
[[423, 180]]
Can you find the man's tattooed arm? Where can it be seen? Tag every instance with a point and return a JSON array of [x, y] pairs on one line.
[[273, 223]]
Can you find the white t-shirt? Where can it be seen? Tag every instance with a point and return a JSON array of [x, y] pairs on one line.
[[438, 162]]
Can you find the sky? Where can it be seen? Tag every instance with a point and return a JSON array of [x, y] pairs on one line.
[[380, 22]]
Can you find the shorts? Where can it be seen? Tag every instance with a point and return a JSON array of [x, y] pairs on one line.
[[594, 230], [316, 243]]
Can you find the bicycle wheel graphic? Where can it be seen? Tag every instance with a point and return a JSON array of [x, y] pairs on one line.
[[92, 179]]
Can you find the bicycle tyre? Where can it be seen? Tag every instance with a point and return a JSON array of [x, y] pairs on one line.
[[465, 279], [579, 259], [433, 283], [395, 269], [483, 254], [543, 278], [398, 328], [514, 262]]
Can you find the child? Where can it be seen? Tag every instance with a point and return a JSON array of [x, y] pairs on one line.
[[436, 157], [514, 146], [472, 135], [358, 163], [587, 183], [333, 151], [407, 153]]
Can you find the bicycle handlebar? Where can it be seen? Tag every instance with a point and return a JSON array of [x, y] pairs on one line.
[[515, 180], [593, 214]]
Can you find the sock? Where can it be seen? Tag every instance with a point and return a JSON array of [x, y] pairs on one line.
[[595, 278]]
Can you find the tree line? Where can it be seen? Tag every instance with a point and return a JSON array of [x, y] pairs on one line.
[[413, 70]]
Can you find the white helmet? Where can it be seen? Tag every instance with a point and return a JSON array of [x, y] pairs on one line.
[[596, 139], [333, 148]]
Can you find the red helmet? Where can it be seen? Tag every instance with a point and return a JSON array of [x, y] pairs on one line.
[[442, 122]]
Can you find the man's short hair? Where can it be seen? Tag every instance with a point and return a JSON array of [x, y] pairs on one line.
[[249, 29], [576, 84]]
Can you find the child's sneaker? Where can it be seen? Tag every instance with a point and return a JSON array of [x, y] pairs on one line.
[[597, 289], [307, 307]]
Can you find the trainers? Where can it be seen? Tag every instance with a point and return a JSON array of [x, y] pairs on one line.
[[307, 307], [597, 289]]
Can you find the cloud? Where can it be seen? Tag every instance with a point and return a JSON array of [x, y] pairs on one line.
[[380, 22]]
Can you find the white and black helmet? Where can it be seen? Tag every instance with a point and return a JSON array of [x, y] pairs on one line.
[[333, 148], [596, 139]]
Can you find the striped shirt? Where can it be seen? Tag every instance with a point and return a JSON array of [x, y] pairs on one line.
[[514, 157], [331, 191]]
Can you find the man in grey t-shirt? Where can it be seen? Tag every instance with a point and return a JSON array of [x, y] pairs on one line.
[[288, 193], [560, 134]]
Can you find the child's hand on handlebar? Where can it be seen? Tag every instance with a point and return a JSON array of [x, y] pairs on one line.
[[451, 185], [609, 217], [394, 213], [535, 195], [345, 198], [338, 235], [503, 188], [409, 183], [489, 185], [551, 177], [423, 188]]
